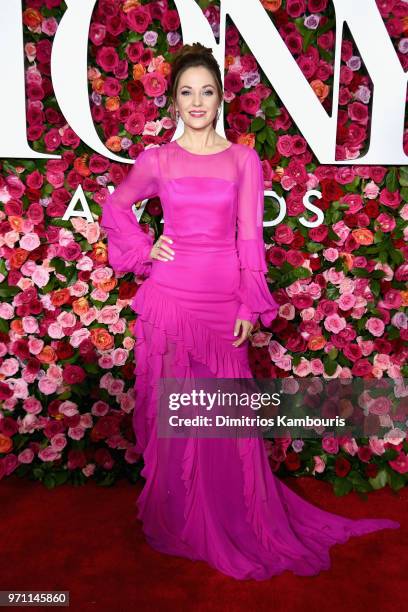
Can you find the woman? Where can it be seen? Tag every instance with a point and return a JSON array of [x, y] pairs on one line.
[[211, 499]]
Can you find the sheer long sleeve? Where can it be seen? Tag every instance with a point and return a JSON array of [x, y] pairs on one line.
[[256, 299], [128, 245]]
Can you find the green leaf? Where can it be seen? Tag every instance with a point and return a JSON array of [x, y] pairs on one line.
[[375, 288], [329, 366], [403, 176], [272, 111], [257, 124], [395, 480], [342, 486], [271, 137], [391, 181], [308, 38], [379, 481]]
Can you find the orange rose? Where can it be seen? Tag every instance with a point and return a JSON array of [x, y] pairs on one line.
[[138, 72], [348, 260], [60, 297], [321, 89], [164, 68], [100, 252], [271, 5], [97, 85], [129, 5], [16, 326], [404, 295], [80, 165], [112, 104], [247, 139], [80, 306], [363, 236], [6, 444], [47, 355], [101, 339], [114, 144], [18, 257], [316, 343], [108, 285], [32, 18], [16, 223]]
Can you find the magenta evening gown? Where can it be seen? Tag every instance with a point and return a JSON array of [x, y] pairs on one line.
[[215, 500]]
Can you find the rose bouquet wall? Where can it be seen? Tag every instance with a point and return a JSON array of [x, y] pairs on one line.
[[66, 342]]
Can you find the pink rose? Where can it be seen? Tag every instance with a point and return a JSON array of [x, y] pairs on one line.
[[303, 368], [354, 201], [346, 301], [26, 456], [154, 84], [319, 465], [49, 26], [284, 234], [385, 222], [284, 145], [330, 445], [139, 19], [362, 367], [371, 190], [391, 300], [390, 199], [400, 464], [295, 8], [107, 58], [375, 326], [48, 454], [334, 323], [250, 103], [379, 405], [97, 33]]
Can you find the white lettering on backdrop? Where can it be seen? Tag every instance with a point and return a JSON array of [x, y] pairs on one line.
[[69, 76]]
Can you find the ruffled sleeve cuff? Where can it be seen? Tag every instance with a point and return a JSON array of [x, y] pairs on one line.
[[254, 294], [256, 299], [128, 245]]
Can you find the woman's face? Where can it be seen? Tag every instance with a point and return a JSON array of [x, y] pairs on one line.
[[197, 97]]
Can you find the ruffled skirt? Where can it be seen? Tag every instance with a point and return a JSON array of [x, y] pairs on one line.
[[208, 499]]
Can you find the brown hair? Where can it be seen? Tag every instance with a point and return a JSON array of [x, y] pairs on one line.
[[194, 55]]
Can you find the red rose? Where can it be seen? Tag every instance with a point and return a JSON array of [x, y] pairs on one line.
[[371, 470], [365, 453], [331, 190], [276, 256], [139, 19], [126, 290], [372, 209], [318, 234], [292, 461], [170, 21], [342, 467], [284, 234]]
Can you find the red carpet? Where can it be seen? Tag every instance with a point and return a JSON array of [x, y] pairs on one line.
[[86, 540]]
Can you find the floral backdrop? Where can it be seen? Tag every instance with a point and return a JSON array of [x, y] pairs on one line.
[[66, 343]]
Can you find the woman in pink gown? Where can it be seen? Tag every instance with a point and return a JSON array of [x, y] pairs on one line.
[[211, 499]]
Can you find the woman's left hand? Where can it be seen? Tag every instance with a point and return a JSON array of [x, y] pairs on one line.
[[247, 327]]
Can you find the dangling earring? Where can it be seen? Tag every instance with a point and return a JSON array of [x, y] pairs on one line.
[[218, 113]]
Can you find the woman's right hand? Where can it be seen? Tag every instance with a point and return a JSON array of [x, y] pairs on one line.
[[161, 250]]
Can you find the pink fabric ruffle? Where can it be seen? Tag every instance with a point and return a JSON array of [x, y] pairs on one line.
[[128, 245], [254, 294], [188, 337]]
